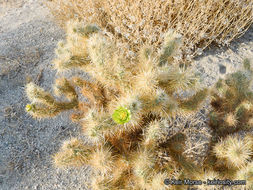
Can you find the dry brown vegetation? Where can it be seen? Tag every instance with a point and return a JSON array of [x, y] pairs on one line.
[[11, 3], [137, 22]]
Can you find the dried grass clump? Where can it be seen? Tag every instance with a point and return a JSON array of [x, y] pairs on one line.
[[145, 21]]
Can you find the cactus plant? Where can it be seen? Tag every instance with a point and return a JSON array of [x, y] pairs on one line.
[[230, 150], [232, 102], [129, 104]]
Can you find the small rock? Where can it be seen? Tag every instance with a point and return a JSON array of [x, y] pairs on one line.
[[222, 69]]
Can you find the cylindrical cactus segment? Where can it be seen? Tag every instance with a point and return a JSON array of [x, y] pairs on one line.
[[172, 41], [143, 164], [72, 153], [154, 131], [194, 102], [235, 151], [39, 95], [101, 160]]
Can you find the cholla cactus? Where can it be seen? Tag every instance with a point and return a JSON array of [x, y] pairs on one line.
[[230, 151], [233, 102], [230, 158], [129, 104]]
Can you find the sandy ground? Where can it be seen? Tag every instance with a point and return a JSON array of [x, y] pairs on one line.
[[27, 41], [28, 37]]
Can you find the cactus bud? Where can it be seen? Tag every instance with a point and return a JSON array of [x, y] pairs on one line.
[[29, 107]]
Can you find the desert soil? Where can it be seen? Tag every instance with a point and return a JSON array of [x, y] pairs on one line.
[[28, 36]]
